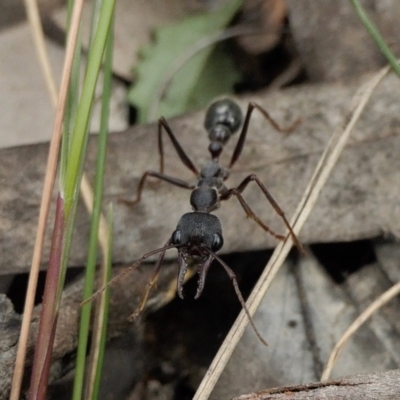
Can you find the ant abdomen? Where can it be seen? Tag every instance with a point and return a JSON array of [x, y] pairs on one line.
[[223, 118]]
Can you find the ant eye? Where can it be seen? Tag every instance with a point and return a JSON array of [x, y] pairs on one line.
[[218, 242], [176, 237]]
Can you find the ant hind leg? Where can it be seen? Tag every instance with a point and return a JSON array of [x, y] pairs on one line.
[[242, 137]]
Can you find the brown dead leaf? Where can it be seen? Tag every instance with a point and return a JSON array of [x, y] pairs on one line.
[[360, 200], [332, 42], [27, 113]]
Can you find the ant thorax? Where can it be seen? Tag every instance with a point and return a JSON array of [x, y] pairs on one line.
[[204, 199], [213, 175]]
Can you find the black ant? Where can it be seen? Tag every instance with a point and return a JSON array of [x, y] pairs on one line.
[[198, 235]]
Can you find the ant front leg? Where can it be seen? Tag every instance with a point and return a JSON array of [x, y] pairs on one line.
[[242, 138], [150, 284], [135, 265], [250, 213]]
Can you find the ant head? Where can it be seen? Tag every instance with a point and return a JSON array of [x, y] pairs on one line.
[[196, 231], [223, 112]]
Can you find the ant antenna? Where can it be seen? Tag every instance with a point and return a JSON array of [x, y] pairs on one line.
[[134, 266]]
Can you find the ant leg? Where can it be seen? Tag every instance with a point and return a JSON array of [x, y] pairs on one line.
[[166, 178], [232, 275], [162, 123], [135, 265], [250, 213], [243, 133], [150, 285]]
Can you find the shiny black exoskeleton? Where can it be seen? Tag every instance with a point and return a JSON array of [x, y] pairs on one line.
[[198, 235]]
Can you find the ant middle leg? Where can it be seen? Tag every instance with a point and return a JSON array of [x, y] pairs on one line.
[[170, 179], [250, 213], [242, 138], [163, 124]]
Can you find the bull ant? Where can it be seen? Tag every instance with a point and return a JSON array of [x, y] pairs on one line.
[[198, 235]]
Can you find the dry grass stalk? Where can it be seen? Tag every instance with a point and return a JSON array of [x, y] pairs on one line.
[[51, 171], [321, 174]]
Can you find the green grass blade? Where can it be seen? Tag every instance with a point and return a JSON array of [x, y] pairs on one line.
[[93, 240], [373, 31], [72, 99], [79, 136], [105, 298], [71, 108]]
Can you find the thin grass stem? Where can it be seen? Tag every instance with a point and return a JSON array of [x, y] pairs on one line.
[[95, 224], [374, 32]]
